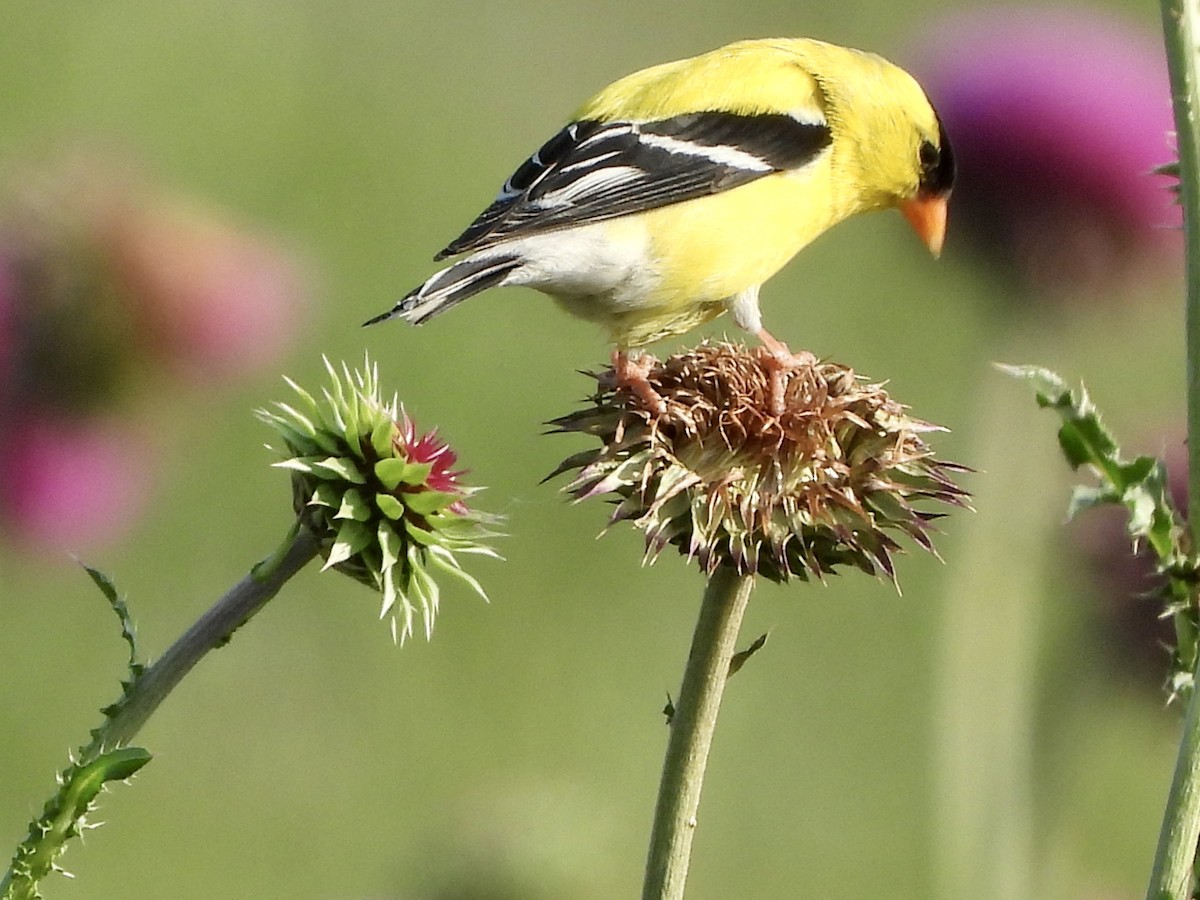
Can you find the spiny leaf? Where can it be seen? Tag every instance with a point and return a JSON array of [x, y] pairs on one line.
[[115, 765], [64, 816], [128, 629], [739, 659], [1171, 169], [1140, 486]]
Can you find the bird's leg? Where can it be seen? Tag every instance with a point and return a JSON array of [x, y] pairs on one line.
[[631, 372], [776, 356], [778, 359], [779, 353]]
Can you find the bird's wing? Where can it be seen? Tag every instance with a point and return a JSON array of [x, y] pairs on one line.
[[593, 170]]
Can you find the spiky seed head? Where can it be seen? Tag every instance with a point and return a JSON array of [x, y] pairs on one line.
[[385, 500], [831, 480]]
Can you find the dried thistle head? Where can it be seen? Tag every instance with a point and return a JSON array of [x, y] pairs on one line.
[[830, 481], [384, 500]]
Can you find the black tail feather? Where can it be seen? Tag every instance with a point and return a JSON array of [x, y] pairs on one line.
[[450, 287]]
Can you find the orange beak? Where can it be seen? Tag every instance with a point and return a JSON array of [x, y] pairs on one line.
[[927, 215]]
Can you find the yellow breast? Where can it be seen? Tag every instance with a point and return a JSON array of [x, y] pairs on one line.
[[708, 250]]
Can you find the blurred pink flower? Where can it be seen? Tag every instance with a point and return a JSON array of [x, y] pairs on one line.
[[105, 282], [217, 302], [70, 484], [1058, 117]]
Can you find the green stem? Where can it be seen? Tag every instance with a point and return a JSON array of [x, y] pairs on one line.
[[1172, 876], [1181, 32], [211, 630], [1173, 861], [101, 760], [692, 727]]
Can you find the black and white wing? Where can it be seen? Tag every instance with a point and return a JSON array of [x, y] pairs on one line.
[[591, 171]]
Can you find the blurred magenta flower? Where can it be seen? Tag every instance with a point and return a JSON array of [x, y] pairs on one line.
[[70, 482], [216, 301], [1058, 118], [107, 285]]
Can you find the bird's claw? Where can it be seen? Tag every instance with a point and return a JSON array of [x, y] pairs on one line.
[[777, 360], [631, 372]]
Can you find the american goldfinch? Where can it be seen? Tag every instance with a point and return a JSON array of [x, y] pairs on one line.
[[675, 192]]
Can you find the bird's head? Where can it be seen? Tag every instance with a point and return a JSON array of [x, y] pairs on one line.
[[897, 153], [926, 208]]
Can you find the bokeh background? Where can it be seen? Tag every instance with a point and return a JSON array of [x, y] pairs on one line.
[[996, 731]]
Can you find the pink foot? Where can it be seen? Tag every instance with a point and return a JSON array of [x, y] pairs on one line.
[[631, 373], [778, 359]]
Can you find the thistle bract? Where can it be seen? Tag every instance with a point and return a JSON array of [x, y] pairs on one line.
[[385, 501], [830, 481]]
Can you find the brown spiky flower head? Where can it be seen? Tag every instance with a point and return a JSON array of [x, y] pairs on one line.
[[384, 500], [787, 472]]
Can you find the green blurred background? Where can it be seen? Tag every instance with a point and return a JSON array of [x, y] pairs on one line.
[[975, 730]]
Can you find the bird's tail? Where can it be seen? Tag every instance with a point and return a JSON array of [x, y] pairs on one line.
[[450, 286]]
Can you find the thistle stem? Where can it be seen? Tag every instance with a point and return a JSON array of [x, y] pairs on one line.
[[1173, 862], [213, 629], [692, 727], [1172, 876], [63, 814], [1181, 34]]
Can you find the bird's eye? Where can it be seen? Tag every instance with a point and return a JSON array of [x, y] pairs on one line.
[[930, 156]]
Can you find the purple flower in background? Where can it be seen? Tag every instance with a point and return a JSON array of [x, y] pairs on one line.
[[70, 483], [1058, 119], [107, 288], [216, 301]]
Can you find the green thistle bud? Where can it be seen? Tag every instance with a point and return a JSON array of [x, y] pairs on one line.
[[385, 502], [829, 482]]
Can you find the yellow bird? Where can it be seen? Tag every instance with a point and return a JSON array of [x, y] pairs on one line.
[[675, 192]]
